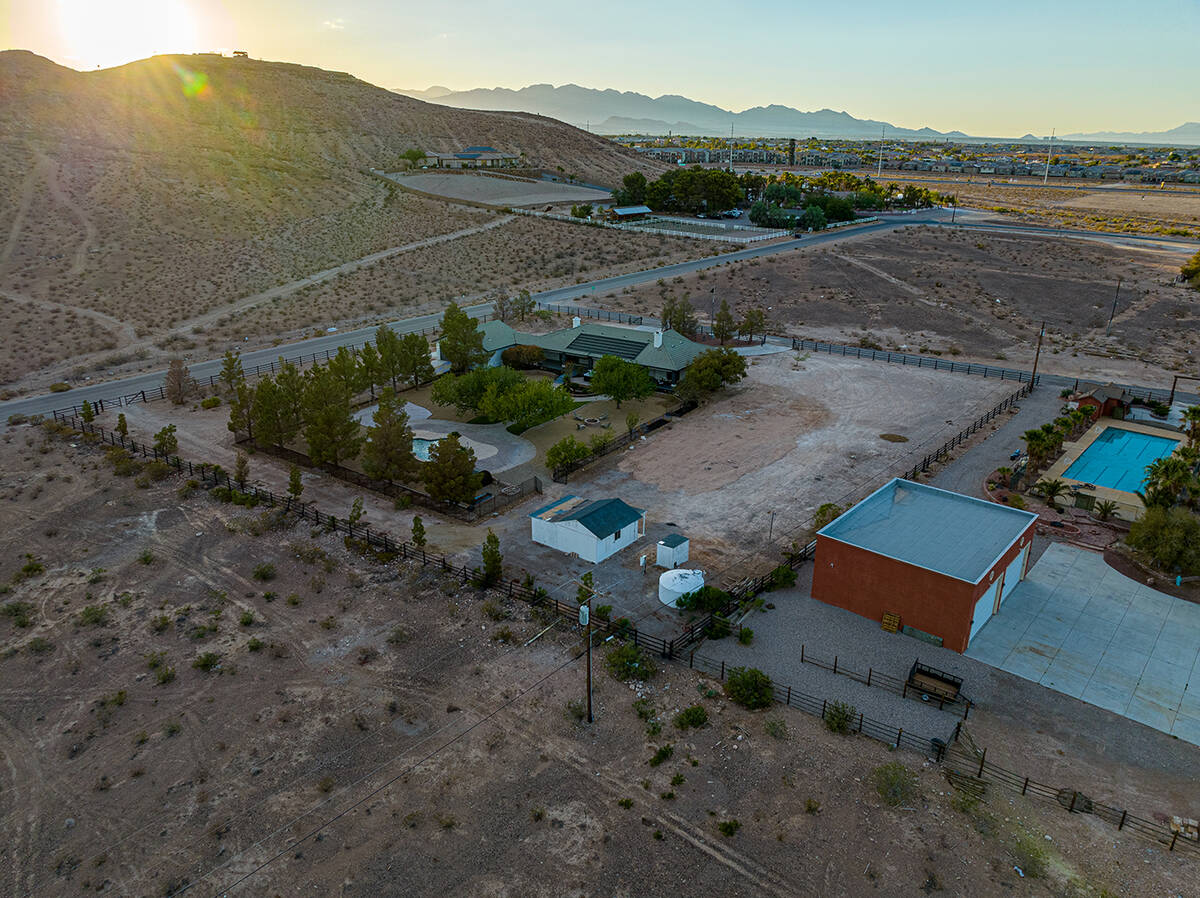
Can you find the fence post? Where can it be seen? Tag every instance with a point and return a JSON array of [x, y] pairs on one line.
[[692, 659], [789, 696], [899, 735], [869, 676], [1174, 836], [1074, 797], [824, 702], [802, 653], [982, 759], [835, 657], [1121, 822], [860, 721], [1026, 786], [722, 668]]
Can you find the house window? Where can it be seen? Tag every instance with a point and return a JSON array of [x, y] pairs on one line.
[[616, 536]]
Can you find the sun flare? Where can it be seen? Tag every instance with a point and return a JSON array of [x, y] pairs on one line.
[[113, 32]]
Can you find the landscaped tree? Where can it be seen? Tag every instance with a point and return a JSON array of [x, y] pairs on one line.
[[418, 532], [1105, 509], [1170, 537], [1191, 420], [709, 372], [179, 383], [412, 156], [814, 217], [241, 410], [462, 340], [566, 451], [527, 404], [450, 474], [87, 412], [615, 377], [330, 428], [1050, 491], [372, 368], [1190, 270], [165, 441], [493, 561], [413, 362], [231, 373], [295, 483], [679, 316], [291, 383], [122, 425], [346, 368], [241, 470], [631, 421], [754, 321], [723, 324], [272, 420], [387, 343], [632, 191], [466, 391], [1168, 481], [524, 304], [388, 453]]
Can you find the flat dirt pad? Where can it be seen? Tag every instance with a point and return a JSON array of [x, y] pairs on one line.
[[1161, 203], [501, 191], [794, 435]]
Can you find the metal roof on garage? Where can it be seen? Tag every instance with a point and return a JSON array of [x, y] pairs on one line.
[[935, 529]]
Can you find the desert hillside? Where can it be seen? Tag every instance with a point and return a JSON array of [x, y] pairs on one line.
[[136, 198]]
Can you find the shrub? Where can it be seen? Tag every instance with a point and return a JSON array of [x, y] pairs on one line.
[[207, 661], [728, 828], [643, 708], [264, 571], [895, 783], [695, 716], [59, 387], [628, 662], [522, 356], [745, 635], [255, 644], [812, 806], [782, 577], [31, 568], [247, 618], [210, 402], [165, 674], [839, 716], [93, 616], [663, 754], [604, 612], [40, 645], [19, 612], [749, 687], [706, 599], [775, 727], [160, 623], [719, 628], [1170, 537]]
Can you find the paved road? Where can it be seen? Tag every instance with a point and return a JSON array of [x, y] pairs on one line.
[[332, 341]]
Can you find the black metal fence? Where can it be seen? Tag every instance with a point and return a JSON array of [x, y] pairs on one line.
[[879, 680], [971, 771], [917, 361], [966, 433], [599, 314], [933, 747]]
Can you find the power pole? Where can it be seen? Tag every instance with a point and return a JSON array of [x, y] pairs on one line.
[[1037, 355], [1046, 174], [1113, 313], [879, 171]]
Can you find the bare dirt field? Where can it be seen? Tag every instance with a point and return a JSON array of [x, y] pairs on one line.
[[797, 433], [525, 253], [974, 295], [367, 727], [500, 191]]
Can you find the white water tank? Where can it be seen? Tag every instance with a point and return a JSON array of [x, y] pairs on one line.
[[676, 583]]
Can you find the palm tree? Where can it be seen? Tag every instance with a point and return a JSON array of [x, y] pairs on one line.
[[1191, 417], [1051, 490], [1037, 447], [1167, 479], [1105, 509], [1005, 475]]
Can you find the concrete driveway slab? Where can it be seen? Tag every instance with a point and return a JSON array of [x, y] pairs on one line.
[[1081, 628]]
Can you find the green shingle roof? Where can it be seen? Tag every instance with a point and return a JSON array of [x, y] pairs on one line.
[[603, 517], [597, 340]]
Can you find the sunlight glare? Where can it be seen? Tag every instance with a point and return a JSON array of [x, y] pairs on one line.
[[113, 32]]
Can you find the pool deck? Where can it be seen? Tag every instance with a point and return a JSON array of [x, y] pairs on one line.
[[1129, 506]]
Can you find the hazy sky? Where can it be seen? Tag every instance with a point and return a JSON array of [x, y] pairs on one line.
[[1004, 68]]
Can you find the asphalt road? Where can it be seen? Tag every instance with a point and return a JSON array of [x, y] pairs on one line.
[[330, 342]]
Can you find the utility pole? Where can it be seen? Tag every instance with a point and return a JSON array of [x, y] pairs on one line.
[[1113, 313], [771, 529], [1046, 174], [879, 171], [1037, 355], [585, 618]]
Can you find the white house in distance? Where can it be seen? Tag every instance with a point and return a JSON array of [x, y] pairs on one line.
[[593, 529]]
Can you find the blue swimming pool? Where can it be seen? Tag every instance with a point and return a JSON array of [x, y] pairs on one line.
[[421, 448], [1118, 459]]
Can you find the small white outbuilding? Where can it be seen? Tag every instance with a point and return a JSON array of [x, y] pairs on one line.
[[592, 529], [672, 551]]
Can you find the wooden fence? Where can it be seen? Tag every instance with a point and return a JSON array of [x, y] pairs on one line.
[[970, 771]]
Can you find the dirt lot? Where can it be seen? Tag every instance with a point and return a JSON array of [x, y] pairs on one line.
[[501, 191], [394, 734], [965, 295]]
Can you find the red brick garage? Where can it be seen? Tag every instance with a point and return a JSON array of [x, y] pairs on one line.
[[942, 561]]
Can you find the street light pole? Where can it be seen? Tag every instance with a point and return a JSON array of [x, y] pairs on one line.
[[771, 528]]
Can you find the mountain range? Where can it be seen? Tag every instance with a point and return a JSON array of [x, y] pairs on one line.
[[626, 112]]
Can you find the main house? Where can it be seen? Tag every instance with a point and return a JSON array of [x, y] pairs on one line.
[[474, 157], [664, 354]]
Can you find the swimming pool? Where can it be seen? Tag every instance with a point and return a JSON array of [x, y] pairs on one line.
[[1118, 459], [421, 448]]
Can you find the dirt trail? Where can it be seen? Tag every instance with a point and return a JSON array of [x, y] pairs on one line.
[[891, 279], [282, 290], [89, 229], [27, 188]]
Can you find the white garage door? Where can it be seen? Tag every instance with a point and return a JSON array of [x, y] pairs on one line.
[[983, 610], [1012, 576]]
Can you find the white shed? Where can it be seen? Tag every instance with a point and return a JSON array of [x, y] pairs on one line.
[[672, 551], [592, 529]]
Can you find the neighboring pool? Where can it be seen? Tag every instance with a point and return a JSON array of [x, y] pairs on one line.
[[1118, 459], [421, 448]]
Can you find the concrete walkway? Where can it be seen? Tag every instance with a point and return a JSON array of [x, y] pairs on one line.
[[1077, 626]]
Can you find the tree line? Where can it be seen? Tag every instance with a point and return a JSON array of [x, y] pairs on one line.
[[693, 189]]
